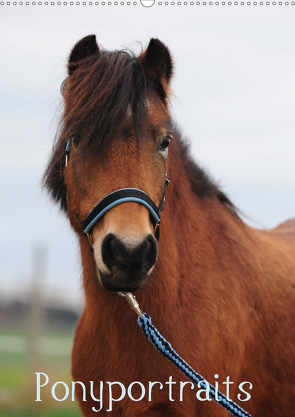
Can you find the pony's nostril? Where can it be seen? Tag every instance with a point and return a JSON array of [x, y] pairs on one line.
[[108, 250], [151, 253]]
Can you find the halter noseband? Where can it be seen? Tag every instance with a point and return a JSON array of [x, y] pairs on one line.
[[122, 195], [117, 197]]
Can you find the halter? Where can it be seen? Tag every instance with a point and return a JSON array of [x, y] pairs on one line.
[[122, 195]]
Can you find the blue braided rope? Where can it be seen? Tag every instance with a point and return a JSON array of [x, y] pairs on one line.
[[166, 349]]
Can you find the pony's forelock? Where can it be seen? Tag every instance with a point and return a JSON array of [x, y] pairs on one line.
[[100, 93]]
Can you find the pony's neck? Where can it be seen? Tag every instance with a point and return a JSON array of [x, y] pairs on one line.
[[201, 242]]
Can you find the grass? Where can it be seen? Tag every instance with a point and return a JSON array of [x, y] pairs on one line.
[[18, 379]]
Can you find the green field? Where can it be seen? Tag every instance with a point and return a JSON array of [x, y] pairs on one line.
[[18, 379]]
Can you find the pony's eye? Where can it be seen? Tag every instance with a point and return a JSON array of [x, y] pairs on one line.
[[75, 139], [165, 142]]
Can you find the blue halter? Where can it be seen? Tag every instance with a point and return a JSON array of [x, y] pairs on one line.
[[123, 195]]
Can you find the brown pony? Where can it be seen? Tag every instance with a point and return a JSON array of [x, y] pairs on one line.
[[221, 292]]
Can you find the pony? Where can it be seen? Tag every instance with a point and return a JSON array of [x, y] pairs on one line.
[[221, 292]]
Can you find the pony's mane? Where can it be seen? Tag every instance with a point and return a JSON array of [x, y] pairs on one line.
[[201, 182]]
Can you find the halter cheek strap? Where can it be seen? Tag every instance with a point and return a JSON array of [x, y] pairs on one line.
[[122, 196]]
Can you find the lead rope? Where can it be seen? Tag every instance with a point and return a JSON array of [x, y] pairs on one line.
[[164, 347]]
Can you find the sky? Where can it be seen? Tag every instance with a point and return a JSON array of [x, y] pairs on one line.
[[234, 89]]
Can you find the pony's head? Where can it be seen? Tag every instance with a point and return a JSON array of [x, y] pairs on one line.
[[114, 135]]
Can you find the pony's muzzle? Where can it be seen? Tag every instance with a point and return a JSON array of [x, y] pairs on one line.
[[129, 263]]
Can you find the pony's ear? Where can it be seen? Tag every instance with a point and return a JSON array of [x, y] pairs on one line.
[[157, 62], [85, 47]]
